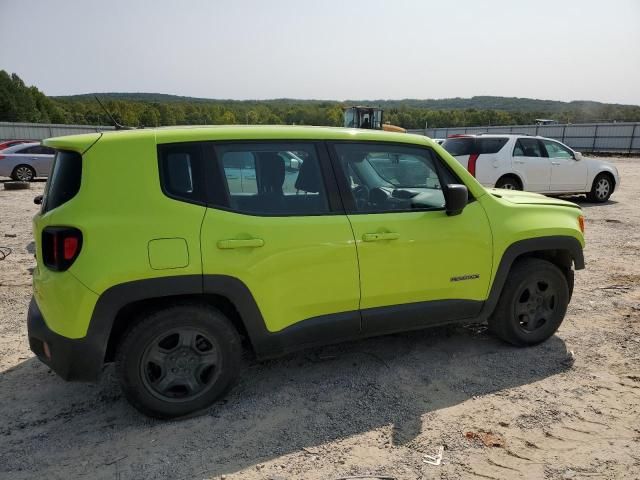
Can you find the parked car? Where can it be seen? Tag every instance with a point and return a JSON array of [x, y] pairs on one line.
[[26, 161], [174, 268], [11, 143], [535, 164]]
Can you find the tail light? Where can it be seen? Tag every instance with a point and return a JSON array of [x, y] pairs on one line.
[[471, 166], [60, 247], [2, 157]]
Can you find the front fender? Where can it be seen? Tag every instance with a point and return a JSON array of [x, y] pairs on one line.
[[541, 246]]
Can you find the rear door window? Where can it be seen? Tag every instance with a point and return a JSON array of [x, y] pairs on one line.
[[272, 179], [528, 147], [28, 150]]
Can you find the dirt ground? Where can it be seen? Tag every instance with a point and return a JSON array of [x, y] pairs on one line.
[[568, 409]]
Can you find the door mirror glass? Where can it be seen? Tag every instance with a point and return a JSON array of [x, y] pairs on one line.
[[577, 155], [456, 196]]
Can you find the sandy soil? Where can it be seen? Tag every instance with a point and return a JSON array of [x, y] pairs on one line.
[[370, 407]]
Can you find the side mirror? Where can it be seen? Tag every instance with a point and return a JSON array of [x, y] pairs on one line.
[[38, 200], [456, 196], [577, 155]]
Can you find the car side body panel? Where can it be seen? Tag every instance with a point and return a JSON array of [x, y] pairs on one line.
[[123, 223]]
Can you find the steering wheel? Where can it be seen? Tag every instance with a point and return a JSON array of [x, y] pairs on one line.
[[361, 196]]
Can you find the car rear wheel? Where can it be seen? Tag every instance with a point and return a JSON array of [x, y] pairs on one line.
[[178, 360], [509, 182], [601, 189], [23, 173], [533, 303]]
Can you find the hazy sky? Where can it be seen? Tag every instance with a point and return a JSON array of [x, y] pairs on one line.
[[329, 49]]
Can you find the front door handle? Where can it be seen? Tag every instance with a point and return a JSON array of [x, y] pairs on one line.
[[240, 243], [555, 163], [378, 237]]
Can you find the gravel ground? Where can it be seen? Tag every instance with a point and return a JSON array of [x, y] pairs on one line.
[[569, 408]]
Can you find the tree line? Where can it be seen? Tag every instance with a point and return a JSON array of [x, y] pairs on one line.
[[22, 103]]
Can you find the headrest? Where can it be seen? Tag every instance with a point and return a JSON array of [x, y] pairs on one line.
[[271, 172], [309, 177]]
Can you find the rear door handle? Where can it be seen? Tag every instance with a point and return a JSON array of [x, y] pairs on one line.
[[240, 243], [378, 237], [555, 163], [518, 161]]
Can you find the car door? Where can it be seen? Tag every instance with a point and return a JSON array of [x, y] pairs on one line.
[[531, 164], [26, 156], [291, 246], [418, 266], [45, 160], [567, 173]]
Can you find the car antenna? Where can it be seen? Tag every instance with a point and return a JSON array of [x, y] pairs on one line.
[[116, 125]]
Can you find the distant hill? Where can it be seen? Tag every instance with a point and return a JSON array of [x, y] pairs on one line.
[[22, 103], [507, 104]]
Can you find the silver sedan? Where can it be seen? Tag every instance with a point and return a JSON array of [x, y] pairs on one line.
[[26, 161]]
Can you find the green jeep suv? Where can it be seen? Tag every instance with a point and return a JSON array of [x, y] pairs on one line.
[[170, 251]]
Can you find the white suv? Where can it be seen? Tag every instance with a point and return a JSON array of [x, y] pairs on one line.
[[535, 164]]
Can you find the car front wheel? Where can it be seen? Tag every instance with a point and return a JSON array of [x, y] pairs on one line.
[[533, 303], [508, 182], [178, 360], [601, 189]]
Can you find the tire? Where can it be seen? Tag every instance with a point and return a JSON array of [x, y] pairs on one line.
[[17, 185], [601, 189], [178, 360], [509, 182], [23, 173], [532, 304]]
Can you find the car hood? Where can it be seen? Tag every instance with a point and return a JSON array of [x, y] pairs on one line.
[[529, 198]]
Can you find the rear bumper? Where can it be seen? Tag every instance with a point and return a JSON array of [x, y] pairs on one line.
[[73, 359]]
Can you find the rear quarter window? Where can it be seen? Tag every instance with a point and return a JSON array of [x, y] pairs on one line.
[[467, 146], [181, 172], [459, 146], [64, 182], [491, 145]]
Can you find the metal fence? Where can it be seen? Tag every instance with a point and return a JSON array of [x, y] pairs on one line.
[[39, 131], [585, 137]]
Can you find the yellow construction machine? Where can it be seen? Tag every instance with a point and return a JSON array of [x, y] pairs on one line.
[[368, 117]]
